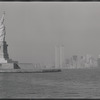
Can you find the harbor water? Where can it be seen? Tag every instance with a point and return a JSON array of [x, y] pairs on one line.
[[69, 83]]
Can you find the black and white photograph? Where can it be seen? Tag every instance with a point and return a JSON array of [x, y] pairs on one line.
[[49, 50]]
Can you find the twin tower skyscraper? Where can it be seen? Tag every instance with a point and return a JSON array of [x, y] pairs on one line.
[[59, 56]]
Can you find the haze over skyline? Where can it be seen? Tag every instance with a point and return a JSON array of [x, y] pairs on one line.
[[34, 29]]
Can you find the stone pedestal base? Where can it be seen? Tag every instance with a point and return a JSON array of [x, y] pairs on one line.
[[9, 66], [3, 60], [3, 52]]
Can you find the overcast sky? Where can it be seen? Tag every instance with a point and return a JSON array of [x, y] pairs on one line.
[[33, 29]]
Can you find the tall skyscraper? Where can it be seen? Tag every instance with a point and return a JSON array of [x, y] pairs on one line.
[[56, 56], [61, 56]]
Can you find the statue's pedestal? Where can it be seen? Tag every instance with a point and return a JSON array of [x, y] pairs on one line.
[[5, 62], [4, 58], [9, 66]]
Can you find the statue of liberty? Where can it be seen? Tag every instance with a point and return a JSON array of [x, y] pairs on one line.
[[5, 62], [2, 28], [3, 45]]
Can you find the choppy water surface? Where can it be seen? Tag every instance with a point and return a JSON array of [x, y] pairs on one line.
[[68, 83]]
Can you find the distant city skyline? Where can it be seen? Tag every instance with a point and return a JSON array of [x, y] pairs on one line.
[[34, 29]]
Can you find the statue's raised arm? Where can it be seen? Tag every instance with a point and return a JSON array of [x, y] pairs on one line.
[[2, 28], [2, 19]]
